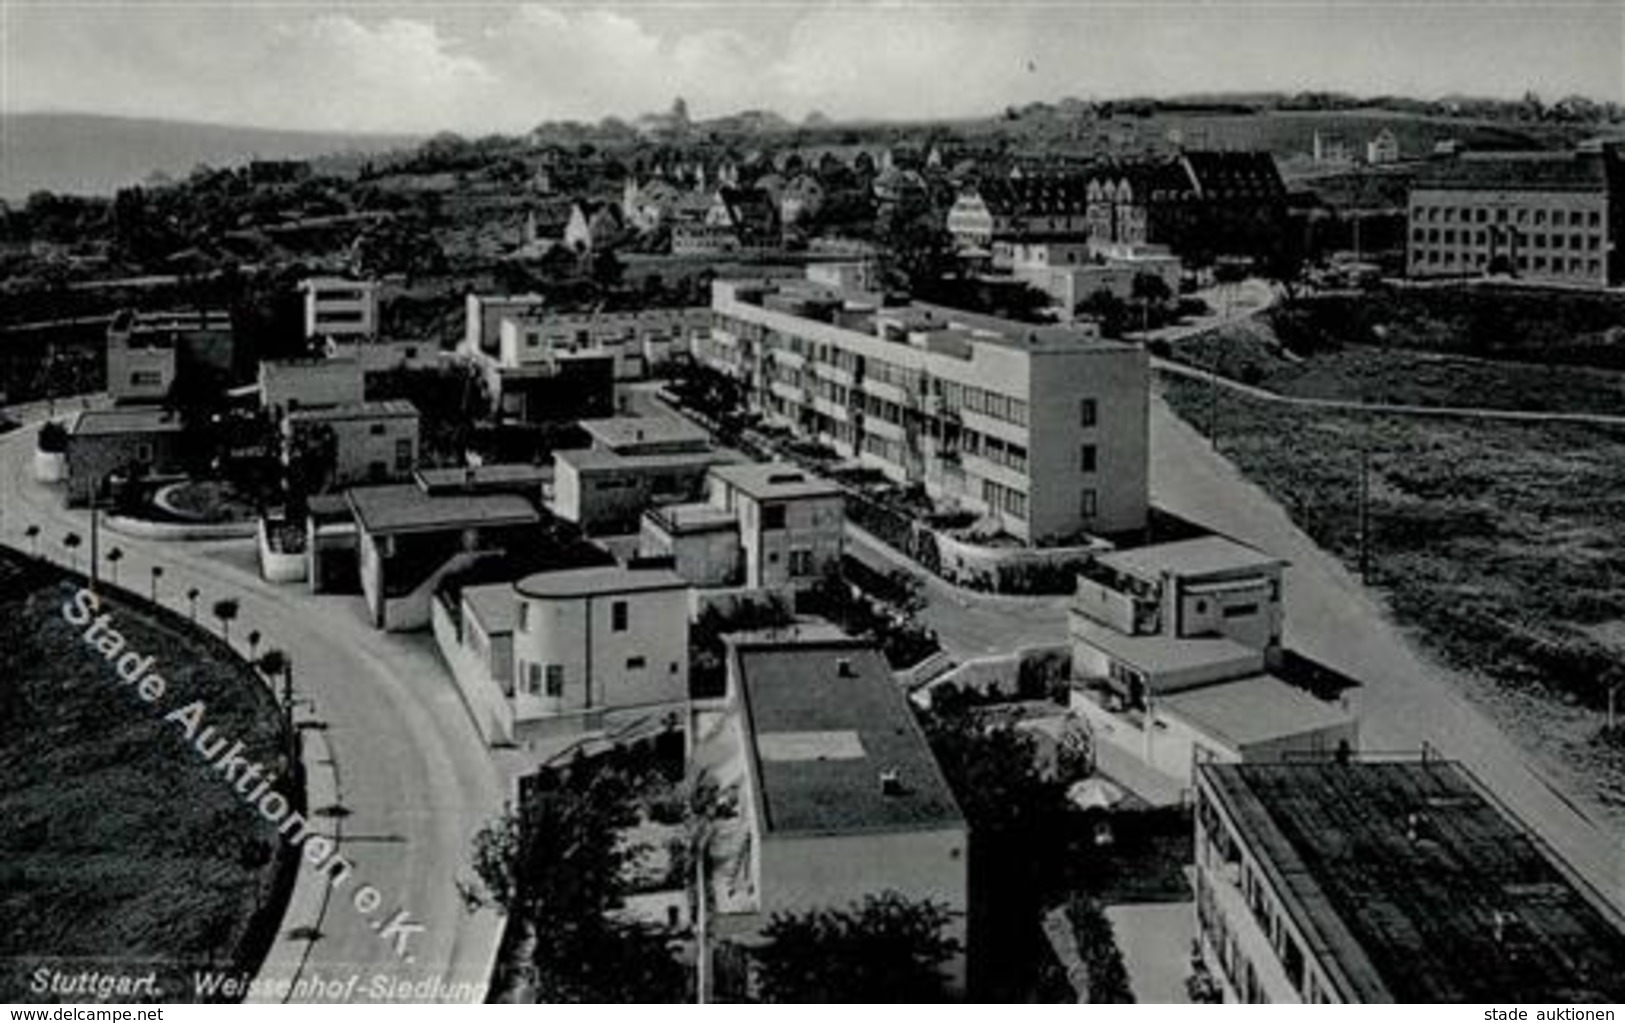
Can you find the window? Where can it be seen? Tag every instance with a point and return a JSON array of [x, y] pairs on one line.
[[555, 679], [533, 679], [1088, 504], [635, 664], [403, 454], [773, 516], [377, 470], [1240, 610], [1089, 412], [376, 429], [524, 616], [1087, 458], [801, 562], [618, 616]]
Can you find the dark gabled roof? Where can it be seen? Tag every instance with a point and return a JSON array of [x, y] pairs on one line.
[[1148, 178], [744, 203], [1035, 196], [1234, 175]]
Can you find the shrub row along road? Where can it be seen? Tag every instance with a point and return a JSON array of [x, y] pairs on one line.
[[416, 781]]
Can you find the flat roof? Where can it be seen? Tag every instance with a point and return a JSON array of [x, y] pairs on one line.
[[767, 481], [586, 582], [405, 508], [625, 431], [693, 517], [1258, 708], [1160, 653], [587, 459], [1402, 873], [494, 605], [820, 741], [477, 476], [1203, 555], [395, 408], [989, 330], [112, 421]]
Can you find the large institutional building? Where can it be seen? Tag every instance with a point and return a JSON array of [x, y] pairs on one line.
[[1041, 428], [1547, 217]]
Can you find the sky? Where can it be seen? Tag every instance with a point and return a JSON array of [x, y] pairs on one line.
[[474, 67]]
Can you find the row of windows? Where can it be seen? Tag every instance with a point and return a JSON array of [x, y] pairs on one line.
[[1005, 499], [548, 679], [1449, 236], [619, 616], [1536, 264], [1501, 215], [954, 396]]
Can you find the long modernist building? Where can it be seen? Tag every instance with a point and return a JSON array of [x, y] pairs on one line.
[[1397, 881], [1041, 427]]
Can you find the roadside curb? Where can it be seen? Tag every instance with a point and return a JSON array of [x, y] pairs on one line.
[[307, 904]]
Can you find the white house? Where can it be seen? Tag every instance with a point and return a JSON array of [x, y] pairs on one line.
[[592, 640]]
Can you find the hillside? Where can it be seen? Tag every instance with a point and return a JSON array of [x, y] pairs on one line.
[[90, 154]]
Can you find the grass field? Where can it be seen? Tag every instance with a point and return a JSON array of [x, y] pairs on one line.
[[1251, 352], [1502, 545], [119, 850]]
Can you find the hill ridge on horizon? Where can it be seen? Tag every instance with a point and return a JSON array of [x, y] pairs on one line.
[[96, 154]]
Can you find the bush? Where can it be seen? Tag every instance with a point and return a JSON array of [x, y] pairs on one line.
[[53, 438]]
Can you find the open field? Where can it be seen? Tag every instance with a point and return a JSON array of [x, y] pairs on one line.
[[108, 809], [1251, 353], [1501, 545]]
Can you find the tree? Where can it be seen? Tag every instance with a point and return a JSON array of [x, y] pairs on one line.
[[916, 248], [885, 949], [313, 458], [1017, 862], [226, 610], [1097, 947], [72, 542], [1106, 309], [53, 438], [157, 574], [114, 556], [253, 643], [559, 867], [32, 532], [191, 599]]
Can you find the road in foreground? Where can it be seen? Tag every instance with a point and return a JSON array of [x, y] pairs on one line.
[[415, 781]]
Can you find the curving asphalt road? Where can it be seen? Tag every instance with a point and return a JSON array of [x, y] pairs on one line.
[[414, 779]]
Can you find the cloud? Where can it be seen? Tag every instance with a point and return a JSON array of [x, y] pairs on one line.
[[475, 67]]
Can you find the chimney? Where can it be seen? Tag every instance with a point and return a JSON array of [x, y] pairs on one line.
[[843, 668], [891, 783]]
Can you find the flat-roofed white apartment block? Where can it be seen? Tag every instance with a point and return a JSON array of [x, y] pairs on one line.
[[340, 308], [1041, 427]]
